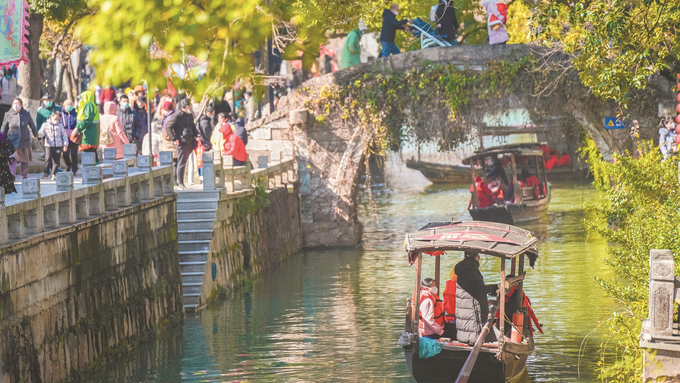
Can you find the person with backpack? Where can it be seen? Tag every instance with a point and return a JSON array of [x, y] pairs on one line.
[[112, 133], [56, 140]]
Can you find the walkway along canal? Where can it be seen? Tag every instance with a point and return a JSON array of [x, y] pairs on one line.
[[336, 315]]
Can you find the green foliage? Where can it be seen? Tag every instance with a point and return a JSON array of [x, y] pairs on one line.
[[252, 203], [431, 97], [617, 44], [57, 10], [518, 23], [638, 210]]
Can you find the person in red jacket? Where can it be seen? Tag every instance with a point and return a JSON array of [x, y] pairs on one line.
[[233, 146], [483, 193]]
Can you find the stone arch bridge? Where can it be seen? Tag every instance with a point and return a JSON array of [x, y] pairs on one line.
[[331, 154]]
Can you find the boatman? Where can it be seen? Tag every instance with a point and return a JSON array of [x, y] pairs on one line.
[[472, 307]]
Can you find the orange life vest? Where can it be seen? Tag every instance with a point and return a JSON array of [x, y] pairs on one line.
[[450, 300], [438, 307]]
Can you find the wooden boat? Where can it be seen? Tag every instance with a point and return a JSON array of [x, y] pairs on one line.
[[529, 203], [502, 361], [441, 173]]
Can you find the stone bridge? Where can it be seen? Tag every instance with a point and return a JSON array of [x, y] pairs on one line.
[[331, 152]]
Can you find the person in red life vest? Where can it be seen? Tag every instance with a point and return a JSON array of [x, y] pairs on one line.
[[233, 146], [484, 194], [431, 322], [532, 181], [449, 296], [496, 186]]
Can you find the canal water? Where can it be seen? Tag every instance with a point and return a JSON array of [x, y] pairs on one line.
[[336, 315]]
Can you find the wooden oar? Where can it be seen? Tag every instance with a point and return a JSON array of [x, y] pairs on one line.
[[465, 372]]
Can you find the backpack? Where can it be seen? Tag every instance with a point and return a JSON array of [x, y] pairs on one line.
[[105, 136]]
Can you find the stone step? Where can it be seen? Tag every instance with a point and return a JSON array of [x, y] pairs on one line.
[[191, 301], [193, 245], [192, 277], [195, 224], [196, 214], [194, 195], [192, 288], [192, 267], [193, 256], [197, 205], [194, 235]]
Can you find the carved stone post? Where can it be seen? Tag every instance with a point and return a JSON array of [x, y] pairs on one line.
[[109, 155], [208, 172], [661, 291], [228, 172], [67, 209]]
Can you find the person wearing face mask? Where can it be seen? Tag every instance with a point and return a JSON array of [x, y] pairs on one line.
[[132, 123], [389, 30], [47, 107], [18, 127], [139, 107], [56, 140], [472, 305], [431, 323], [9, 90], [69, 117], [205, 127]]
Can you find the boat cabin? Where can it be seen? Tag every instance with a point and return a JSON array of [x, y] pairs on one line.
[[522, 192], [498, 361]]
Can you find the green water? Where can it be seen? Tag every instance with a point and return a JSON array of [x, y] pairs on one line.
[[336, 315]]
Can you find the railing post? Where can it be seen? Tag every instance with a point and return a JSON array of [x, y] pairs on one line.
[[67, 209], [661, 293], [165, 159], [208, 171], [4, 230], [262, 164], [109, 155], [228, 171], [34, 219], [130, 154], [218, 169]]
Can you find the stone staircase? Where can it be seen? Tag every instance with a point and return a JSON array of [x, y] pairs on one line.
[[196, 212]]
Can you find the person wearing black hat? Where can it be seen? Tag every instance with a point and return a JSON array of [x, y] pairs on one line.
[[47, 107]]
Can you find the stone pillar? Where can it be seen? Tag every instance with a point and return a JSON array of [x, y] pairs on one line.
[[34, 220], [109, 155], [165, 159], [262, 164], [30, 188], [92, 175], [661, 293], [130, 153], [120, 169], [67, 209], [4, 230], [208, 172], [228, 172], [218, 169], [144, 162]]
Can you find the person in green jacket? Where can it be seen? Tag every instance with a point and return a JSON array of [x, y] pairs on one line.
[[46, 109], [88, 123], [351, 52]]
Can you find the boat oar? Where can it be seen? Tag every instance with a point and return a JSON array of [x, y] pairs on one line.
[[465, 372]]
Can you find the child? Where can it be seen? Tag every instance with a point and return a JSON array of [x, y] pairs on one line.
[[69, 116], [497, 17], [56, 140], [503, 10]]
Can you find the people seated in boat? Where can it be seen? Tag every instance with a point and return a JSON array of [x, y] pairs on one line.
[[496, 186], [431, 322], [529, 180], [472, 307], [484, 194], [497, 170]]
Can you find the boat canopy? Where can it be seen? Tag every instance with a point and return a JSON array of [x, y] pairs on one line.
[[533, 150], [496, 239]]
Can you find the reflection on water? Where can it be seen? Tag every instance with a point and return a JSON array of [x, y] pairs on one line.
[[336, 315]]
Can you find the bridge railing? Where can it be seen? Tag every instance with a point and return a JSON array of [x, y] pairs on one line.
[[219, 171], [106, 188]]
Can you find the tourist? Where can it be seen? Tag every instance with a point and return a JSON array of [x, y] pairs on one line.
[[251, 107], [111, 123], [18, 127], [132, 124], [431, 322], [140, 107], [6, 152], [239, 127], [56, 141], [155, 142], [223, 106], [389, 30], [88, 124], [233, 146], [166, 111], [447, 24], [483, 193], [498, 34], [181, 129], [205, 127], [472, 305], [217, 138], [9, 90], [69, 116], [47, 107], [351, 51]]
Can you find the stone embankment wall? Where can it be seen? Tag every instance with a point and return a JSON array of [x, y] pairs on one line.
[[253, 232], [73, 298]]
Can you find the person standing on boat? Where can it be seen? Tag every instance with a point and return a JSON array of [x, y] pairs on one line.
[[431, 322], [472, 307]]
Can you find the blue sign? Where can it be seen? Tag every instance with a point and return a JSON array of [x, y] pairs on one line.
[[613, 123]]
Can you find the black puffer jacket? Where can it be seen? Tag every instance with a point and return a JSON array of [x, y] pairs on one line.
[[132, 123], [472, 308]]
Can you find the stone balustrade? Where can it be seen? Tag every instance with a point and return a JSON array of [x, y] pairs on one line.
[[106, 187], [219, 172], [660, 336]]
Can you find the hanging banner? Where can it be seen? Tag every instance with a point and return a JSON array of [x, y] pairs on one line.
[[13, 32]]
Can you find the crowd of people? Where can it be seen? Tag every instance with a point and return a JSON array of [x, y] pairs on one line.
[[110, 118]]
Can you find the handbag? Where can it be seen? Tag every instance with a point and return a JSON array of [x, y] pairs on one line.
[[76, 136], [105, 136]]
